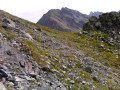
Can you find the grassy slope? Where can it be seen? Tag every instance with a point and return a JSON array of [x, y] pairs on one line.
[[87, 44]]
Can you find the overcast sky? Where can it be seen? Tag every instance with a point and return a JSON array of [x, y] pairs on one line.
[[33, 10]]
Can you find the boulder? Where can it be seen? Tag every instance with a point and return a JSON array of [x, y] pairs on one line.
[[93, 19], [8, 24], [27, 35], [98, 25]]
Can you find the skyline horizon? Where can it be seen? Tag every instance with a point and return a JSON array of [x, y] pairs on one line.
[[33, 10], [35, 21]]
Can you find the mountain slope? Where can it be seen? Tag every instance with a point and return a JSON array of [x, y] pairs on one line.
[[64, 20], [36, 57]]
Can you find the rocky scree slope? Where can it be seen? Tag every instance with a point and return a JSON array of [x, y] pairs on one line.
[[40, 58], [64, 20], [18, 70]]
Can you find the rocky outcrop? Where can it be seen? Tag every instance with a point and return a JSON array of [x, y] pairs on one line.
[[64, 20], [108, 23]]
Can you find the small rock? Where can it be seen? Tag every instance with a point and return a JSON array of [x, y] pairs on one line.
[[46, 69], [113, 32], [54, 70], [39, 29], [64, 66], [72, 81], [11, 79], [83, 82], [28, 78], [80, 33], [17, 79], [89, 69], [95, 78], [9, 53], [3, 73], [22, 64], [67, 79], [85, 32], [11, 84], [111, 40], [33, 75], [101, 46], [39, 84]]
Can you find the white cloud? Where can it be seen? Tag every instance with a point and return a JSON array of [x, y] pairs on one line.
[[33, 9]]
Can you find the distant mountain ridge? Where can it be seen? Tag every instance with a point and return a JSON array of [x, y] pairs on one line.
[[95, 14], [67, 20]]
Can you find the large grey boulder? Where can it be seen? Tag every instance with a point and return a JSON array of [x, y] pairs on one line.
[[8, 24]]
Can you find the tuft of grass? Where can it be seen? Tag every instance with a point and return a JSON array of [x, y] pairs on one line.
[[110, 77], [116, 80], [38, 39], [85, 87]]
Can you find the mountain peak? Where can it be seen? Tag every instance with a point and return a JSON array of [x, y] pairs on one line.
[[64, 20], [97, 13]]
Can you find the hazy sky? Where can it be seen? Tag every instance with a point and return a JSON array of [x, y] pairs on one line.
[[33, 10]]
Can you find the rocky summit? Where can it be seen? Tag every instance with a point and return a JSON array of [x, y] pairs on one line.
[[64, 20], [97, 14], [35, 57]]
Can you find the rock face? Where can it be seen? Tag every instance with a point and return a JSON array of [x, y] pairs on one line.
[[109, 23], [64, 20]]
